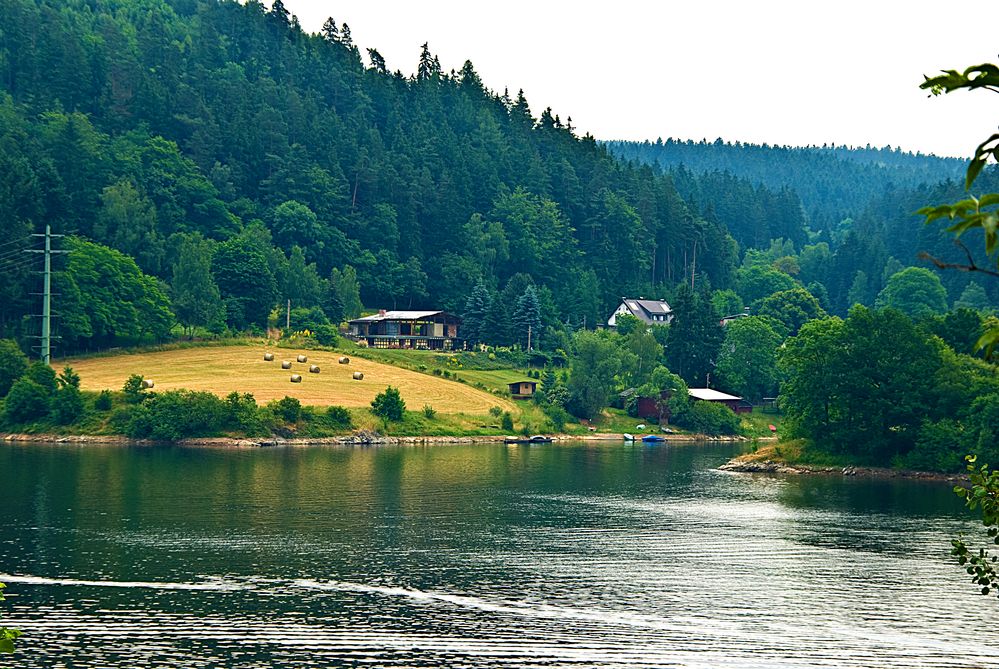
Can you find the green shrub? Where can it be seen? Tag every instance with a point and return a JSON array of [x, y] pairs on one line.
[[43, 375], [26, 401], [103, 401], [13, 364], [709, 418], [287, 409], [242, 413], [429, 411], [338, 418], [558, 416], [506, 421], [388, 405], [326, 335], [67, 405], [495, 412], [133, 390], [176, 414]]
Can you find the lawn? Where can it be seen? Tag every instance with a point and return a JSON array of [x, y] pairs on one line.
[[242, 368]]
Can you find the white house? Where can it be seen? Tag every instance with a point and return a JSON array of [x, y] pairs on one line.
[[650, 312]]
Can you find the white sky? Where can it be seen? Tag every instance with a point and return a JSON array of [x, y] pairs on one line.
[[783, 72]]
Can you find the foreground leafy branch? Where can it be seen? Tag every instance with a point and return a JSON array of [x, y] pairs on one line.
[[7, 636], [973, 212], [983, 494]]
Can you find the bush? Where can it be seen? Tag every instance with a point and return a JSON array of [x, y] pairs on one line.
[[558, 416], [326, 335], [67, 405], [311, 318], [495, 412], [388, 405], [133, 390], [429, 411], [103, 401], [287, 409], [26, 401], [43, 375], [709, 418], [177, 414], [338, 418], [506, 421], [242, 414], [13, 364]]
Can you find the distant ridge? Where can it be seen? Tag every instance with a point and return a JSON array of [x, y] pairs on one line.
[[833, 182]]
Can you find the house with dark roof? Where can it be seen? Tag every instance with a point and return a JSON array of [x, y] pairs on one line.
[[650, 312], [436, 330]]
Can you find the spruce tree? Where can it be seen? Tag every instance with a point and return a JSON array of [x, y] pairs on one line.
[[476, 308], [527, 318]]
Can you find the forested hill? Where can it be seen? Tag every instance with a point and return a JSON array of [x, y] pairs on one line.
[[147, 125], [833, 182]]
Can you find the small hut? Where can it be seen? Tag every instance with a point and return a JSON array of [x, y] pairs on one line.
[[522, 390]]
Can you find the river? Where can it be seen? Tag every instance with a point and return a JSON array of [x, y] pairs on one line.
[[485, 555]]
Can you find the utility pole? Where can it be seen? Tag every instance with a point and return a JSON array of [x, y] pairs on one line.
[[287, 317], [46, 348], [528, 337]]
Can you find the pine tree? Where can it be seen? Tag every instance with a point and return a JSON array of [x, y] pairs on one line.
[[330, 32], [527, 318], [476, 308]]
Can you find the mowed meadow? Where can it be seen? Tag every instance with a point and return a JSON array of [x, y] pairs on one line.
[[222, 370]]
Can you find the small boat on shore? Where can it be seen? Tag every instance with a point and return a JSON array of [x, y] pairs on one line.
[[536, 439], [653, 439], [628, 437]]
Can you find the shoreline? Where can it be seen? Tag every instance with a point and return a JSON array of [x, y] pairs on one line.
[[750, 463], [356, 439]]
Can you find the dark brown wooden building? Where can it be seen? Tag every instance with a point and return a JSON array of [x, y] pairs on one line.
[[435, 330]]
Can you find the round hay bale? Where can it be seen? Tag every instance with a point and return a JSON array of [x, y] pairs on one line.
[[313, 369], [296, 378], [344, 360], [268, 357], [358, 376], [147, 383], [303, 358], [286, 364]]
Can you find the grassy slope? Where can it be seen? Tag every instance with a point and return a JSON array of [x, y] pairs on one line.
[[241, 368]]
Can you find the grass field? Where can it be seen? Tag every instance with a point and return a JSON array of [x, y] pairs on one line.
[[224, 369]]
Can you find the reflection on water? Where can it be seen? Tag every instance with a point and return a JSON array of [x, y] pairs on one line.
[[476, 555]]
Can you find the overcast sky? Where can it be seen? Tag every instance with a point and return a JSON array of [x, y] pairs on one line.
[[783, 72]]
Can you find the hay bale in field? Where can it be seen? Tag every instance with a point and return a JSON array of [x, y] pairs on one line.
[[303, 358], [296, 378], [344, 360], [268, 357], [358, 376], [286, 364], [147, 383], [313, 369]]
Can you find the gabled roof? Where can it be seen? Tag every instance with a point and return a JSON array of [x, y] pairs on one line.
[[648, 311], [399, 316], [711, 395]]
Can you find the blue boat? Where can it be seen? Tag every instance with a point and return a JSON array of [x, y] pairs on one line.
[[653, 438]]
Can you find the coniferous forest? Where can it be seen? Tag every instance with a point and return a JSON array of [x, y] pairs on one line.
[[213, 160]]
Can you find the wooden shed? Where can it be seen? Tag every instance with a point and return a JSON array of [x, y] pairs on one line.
[[521, 390]]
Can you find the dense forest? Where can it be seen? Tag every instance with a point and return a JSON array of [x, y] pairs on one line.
[[209, 160], [834, 182], [202, 152]]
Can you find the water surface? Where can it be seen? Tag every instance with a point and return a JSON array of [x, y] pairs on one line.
[[476, 556]]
